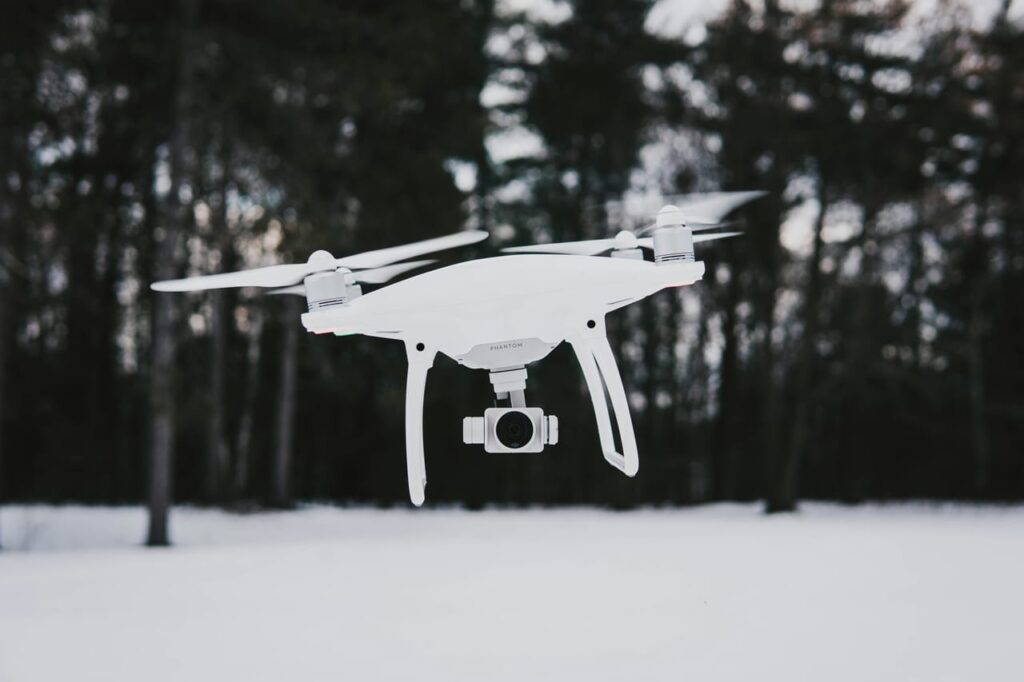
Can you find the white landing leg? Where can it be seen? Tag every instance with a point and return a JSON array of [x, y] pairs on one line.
[[602, 373], [421, 359]]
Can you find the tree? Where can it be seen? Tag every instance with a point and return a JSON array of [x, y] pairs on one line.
[[174, 217], [280, 492], [742, 63], [24, 33]]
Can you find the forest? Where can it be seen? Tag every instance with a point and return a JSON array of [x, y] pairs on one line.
[[863, 339]]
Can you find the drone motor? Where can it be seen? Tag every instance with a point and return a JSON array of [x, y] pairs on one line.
[[673, 239], [329, 289]]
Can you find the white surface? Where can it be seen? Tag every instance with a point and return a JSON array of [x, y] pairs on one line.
[[718, 593], [278, 276], [494, 304], [507, 298]]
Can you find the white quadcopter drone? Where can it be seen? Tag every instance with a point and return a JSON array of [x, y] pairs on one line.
[[500, 314]]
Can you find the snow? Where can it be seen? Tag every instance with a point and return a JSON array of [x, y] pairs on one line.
[[713, 593]]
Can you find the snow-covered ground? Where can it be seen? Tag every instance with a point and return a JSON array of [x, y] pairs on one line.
[[717, 593]]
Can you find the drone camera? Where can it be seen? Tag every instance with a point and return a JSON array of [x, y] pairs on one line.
[[511, 429]]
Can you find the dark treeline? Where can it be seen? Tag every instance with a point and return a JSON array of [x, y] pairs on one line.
[[863, 340]]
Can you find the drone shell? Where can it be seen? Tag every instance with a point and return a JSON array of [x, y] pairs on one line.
[[543, 297]]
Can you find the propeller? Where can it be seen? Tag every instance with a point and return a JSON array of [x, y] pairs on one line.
[[698, 212], [278, 276], [701, 210], [595, 247], [373, 276], [694, 227]]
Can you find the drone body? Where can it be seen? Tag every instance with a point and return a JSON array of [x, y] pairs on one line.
[[500, 314]]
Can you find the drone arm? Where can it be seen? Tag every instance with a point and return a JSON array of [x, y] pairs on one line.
[[601, 373], [421, 359]]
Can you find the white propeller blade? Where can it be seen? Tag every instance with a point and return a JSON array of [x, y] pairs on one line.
[[388, 272], [714, 206], [694, 226], [648, 242], [375, 259], [296, 289], [595, 247], [587, 247], [625, 240], [706, 207], [278, 276], [696, 211], [698, 238], [374, 276], [272, 276]]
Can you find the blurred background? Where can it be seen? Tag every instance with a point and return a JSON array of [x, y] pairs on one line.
[[864, 340]]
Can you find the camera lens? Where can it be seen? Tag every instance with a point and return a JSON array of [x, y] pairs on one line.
[[514, 430]]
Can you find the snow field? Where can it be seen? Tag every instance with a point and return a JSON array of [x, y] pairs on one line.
[[714, 593]]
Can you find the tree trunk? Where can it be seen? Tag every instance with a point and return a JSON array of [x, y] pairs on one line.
[[280, 495], [854, 394], [725, 434], [217, 453], [977, 325], [246, 424], [161, 405], [764, 299], [173, 215], [782, 496], [976, 368], [693, 409], [6, 219], [654, 375], [915, 275], [216, 439]]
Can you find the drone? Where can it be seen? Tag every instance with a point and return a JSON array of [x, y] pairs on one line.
[[501, 314]]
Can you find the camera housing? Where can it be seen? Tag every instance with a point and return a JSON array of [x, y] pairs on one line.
[[511, 429]]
